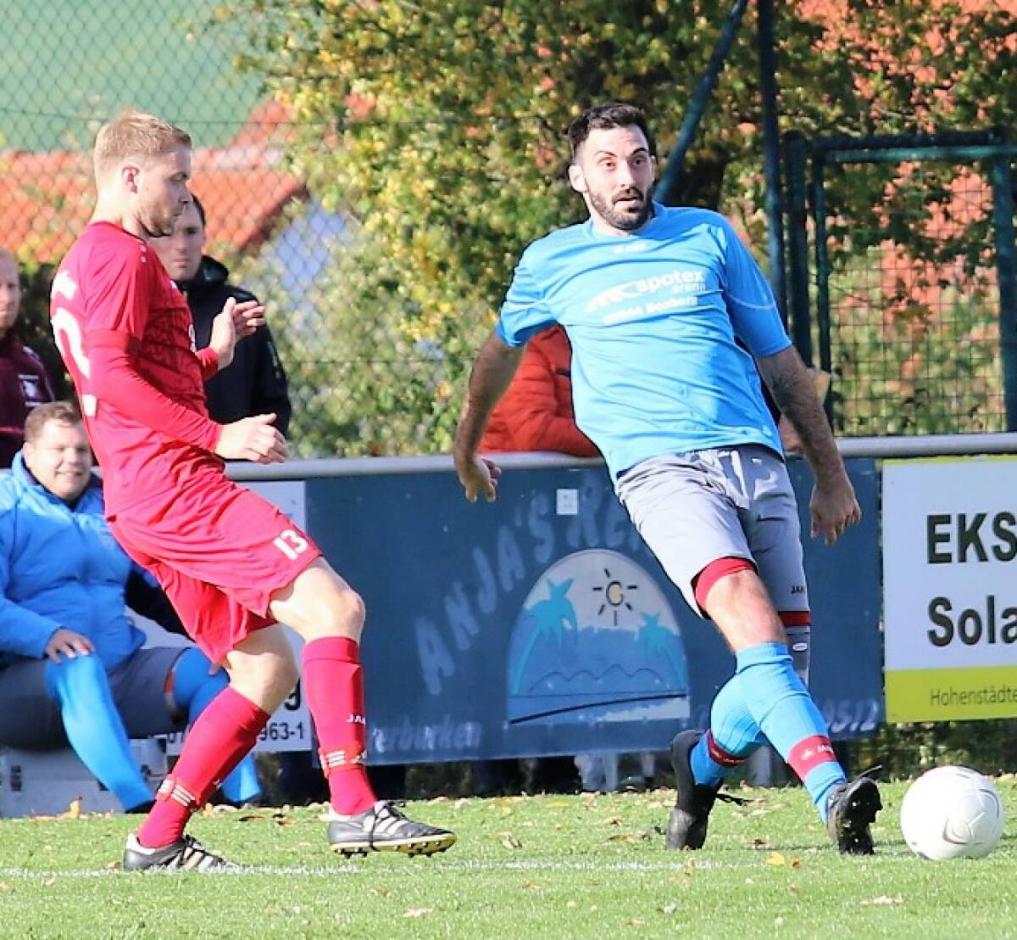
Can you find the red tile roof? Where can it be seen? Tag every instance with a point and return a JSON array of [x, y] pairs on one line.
[[46, 198]]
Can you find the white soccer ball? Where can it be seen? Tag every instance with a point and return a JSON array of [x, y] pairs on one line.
[[951, 812]]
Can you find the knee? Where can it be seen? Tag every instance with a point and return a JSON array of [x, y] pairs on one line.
[[343, 615], [266, 679]]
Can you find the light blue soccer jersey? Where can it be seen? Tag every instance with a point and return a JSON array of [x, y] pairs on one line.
[[653, 318]]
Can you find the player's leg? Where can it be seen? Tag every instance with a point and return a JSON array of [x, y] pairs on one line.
[[262, 673], [775, 539], [163, 689], [329, 615], [193, 686], [691, 525]]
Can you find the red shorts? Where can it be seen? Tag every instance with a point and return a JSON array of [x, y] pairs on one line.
[[220, 552]]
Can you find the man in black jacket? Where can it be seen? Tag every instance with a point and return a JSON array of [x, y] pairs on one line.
[[255, 382]]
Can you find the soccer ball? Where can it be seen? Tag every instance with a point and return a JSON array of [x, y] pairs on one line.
[[951, 812]]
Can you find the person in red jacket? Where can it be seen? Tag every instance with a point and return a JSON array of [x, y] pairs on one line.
[[536, 412], [23, 379]]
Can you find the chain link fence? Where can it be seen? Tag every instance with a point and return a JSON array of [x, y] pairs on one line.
[[910, 312], [357, 384], [907, 308]]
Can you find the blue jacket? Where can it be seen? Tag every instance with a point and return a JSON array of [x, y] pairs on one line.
[[61, 567]]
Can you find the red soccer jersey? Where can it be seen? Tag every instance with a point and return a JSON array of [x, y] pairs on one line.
[[126, 336]]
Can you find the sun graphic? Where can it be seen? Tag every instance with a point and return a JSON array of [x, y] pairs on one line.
[[613, 595]]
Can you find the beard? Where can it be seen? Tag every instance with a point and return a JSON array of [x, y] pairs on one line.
[[624, 216], [158, 222]]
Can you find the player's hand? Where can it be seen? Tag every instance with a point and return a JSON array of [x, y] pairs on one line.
[[255, 439], [834, 508], [478, 475], [233, 323], [67, 643]]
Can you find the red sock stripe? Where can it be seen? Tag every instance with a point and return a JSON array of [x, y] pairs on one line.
[[718, 755], [716, 570], [809, 753], [795, 618]]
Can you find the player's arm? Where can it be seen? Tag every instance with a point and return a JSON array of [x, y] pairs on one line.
[[757, 323], [833, 504], [492, 371]]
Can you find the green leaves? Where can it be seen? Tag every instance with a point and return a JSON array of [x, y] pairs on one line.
[[439, 125]]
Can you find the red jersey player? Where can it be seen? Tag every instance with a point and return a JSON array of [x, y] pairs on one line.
[[233, 565]]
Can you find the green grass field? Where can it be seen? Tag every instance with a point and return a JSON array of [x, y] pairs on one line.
[[533, 867]]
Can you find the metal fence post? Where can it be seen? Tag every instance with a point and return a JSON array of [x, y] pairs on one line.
[[1002, 214], [795, 150], [818, 201]]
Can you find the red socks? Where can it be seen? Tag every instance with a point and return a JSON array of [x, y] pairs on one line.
[[222, 734], [334, 686]]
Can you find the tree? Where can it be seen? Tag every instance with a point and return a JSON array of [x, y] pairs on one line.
[[439, 125]]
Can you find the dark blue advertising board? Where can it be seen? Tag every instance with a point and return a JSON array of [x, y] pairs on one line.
[[540, 624]]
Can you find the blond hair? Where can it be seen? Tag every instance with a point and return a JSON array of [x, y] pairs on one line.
[[66, 412], [135, 134]]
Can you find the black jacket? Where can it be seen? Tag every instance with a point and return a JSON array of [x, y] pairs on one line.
[[254, 383]]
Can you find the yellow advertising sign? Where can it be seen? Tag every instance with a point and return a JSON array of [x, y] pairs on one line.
[[951, 694], [950, 589]]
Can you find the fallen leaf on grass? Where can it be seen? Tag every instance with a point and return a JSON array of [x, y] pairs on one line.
[[533, 886], [4, 886], [418, 912], [49, 882], [622, 837], [613, 821], [776, 859], [635, 922], [73, 810], [510, 841], [883, 900]]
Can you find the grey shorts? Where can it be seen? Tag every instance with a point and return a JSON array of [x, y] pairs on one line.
[[694, 508], [30, 719]]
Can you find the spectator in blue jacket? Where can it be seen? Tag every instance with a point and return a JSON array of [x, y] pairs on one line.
[[72, 667]]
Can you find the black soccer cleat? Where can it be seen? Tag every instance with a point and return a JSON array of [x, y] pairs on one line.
[[186, 854], [384, 828], [850, 809], [686, 829]]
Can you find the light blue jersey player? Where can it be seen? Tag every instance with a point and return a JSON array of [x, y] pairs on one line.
[[671, 324], [653, 321]]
